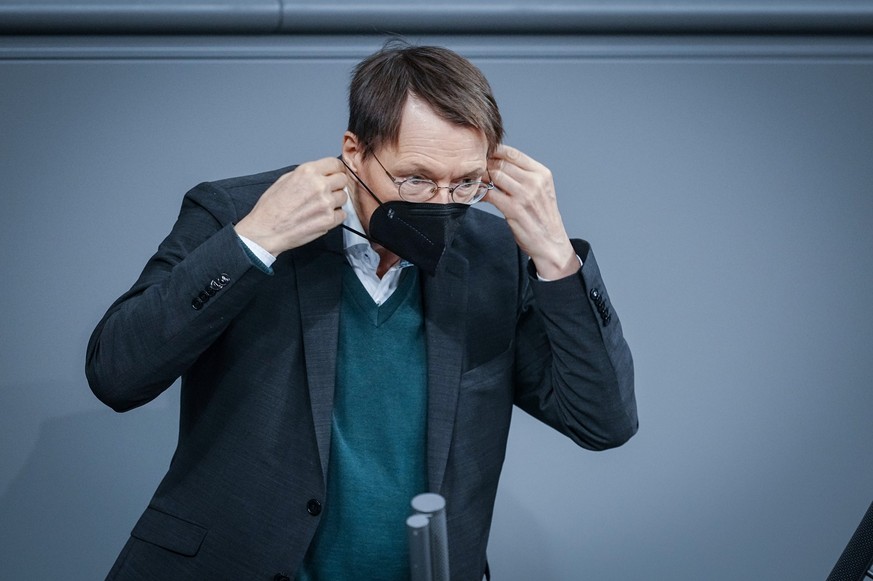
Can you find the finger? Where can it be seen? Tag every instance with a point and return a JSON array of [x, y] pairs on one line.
[[339, 197], [494, 166], [338, 216], [328, 166], [502, 170], [506, 181], [499, 199], [337, 181], [510, 156]]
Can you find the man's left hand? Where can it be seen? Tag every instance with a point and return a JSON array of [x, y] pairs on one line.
[[525, 194]]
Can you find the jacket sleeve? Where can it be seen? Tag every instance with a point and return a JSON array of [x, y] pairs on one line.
[[574, 369], [189, 291]]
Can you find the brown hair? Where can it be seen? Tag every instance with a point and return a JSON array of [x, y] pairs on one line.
[[453, 87]]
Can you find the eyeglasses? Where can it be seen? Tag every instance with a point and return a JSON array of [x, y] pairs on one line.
[[422, 190]]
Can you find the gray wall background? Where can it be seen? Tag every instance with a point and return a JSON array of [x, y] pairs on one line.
[[722, 173]]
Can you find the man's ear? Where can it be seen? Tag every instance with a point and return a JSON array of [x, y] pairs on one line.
[[353, 152]]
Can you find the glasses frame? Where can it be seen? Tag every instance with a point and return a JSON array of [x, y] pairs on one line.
[[489, 185]]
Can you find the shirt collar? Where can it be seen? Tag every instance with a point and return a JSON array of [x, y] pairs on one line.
[[350, 239]]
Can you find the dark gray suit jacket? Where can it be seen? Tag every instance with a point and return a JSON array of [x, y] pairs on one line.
[[257, 356]]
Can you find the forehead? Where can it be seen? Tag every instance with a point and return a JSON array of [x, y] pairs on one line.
[[426, 141]]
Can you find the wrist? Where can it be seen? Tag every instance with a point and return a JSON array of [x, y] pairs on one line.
[[245, 231], [559, 265]]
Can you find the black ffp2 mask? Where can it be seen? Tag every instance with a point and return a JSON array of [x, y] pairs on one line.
[[418, 232]]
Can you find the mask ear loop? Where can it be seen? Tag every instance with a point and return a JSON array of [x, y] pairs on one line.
[[360, 181]]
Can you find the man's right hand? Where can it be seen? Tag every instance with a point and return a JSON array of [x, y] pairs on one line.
[[299, 207]]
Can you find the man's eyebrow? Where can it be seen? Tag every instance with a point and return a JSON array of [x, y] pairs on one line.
[[418, 170], [412, 169], [475, 173]]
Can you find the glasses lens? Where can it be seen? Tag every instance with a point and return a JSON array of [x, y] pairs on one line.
[[417, 190], [466, 192], [470, 193]]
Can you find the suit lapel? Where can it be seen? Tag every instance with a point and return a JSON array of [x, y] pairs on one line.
[[445, 308], [319, 268]]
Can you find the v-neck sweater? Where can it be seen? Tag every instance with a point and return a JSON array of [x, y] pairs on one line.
[[378, 434]]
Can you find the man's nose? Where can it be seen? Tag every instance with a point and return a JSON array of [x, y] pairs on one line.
[[442, 195]]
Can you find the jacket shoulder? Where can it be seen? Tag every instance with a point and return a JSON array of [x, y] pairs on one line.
[[239, 193], [260, 180]]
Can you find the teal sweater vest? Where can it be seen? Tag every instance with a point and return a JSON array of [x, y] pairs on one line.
[[378, 434]]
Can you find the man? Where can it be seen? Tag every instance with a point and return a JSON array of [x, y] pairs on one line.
[[350, 333]]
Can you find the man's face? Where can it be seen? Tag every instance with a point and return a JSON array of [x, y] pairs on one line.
[[428, 147]]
